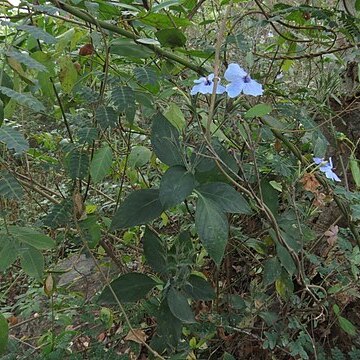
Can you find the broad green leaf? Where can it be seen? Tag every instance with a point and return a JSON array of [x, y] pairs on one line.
[[23, 99], [357, 5], [123, 97], [163, 21], [77, 164], [130, 287], [4, 333], [347, 326], [199, 289], [355, 212], [13, 139], [284, 285], [226, 197], [101, 163], [258, 110], [176, 117], [68, 74], [37, 33], [139, 156], [138, 208], [272, 271], [145, 75], [179, 306], [286, 260], [32, 237], [107, 116], [10, 188], [87, 135], [270, 196], [91, 230], [171, 37], [59, 215], [128, 48], [168, 332], [154, 251], [25, 59], [8, 251], [32, 262], [165, 5], [165, 141], [175, 186], [212, 227], [355, 170]]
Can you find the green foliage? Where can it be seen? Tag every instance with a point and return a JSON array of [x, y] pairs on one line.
[[196, 220], [4, 333], [127, 288]]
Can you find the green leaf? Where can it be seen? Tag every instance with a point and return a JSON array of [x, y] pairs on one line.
[[175, 186], [37, 33], [68, 74], [176, 117], [10, 187], [25, 59], [13, 139], [347, 326], [165, 141], [8, 251], [272, 271], [213, 228], [258, 110], [168, 332], [101, 163], [270, 196], [87, 135], [106, 117], [138, 208], [171, 38], [139, 156], [128, 48], [284, 285], [32, 262], [23, 99], [123, 97], [77, 164], [226, 197], [59, 215], [92, 230], [355, 170], [4, 334], [357, 5], [179, 306], [355, 212], [130, 287], [286, 260], [154, 251], [145, 75], [199, 289], [162, 21], [32, 237]]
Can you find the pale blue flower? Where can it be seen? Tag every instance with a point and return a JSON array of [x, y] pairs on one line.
[[205, 85], [241, 82], [326, 167]]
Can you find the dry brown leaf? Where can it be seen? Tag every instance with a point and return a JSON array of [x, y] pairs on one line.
[[310, 183], [136, 335], [319, 200], [332, 234]]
